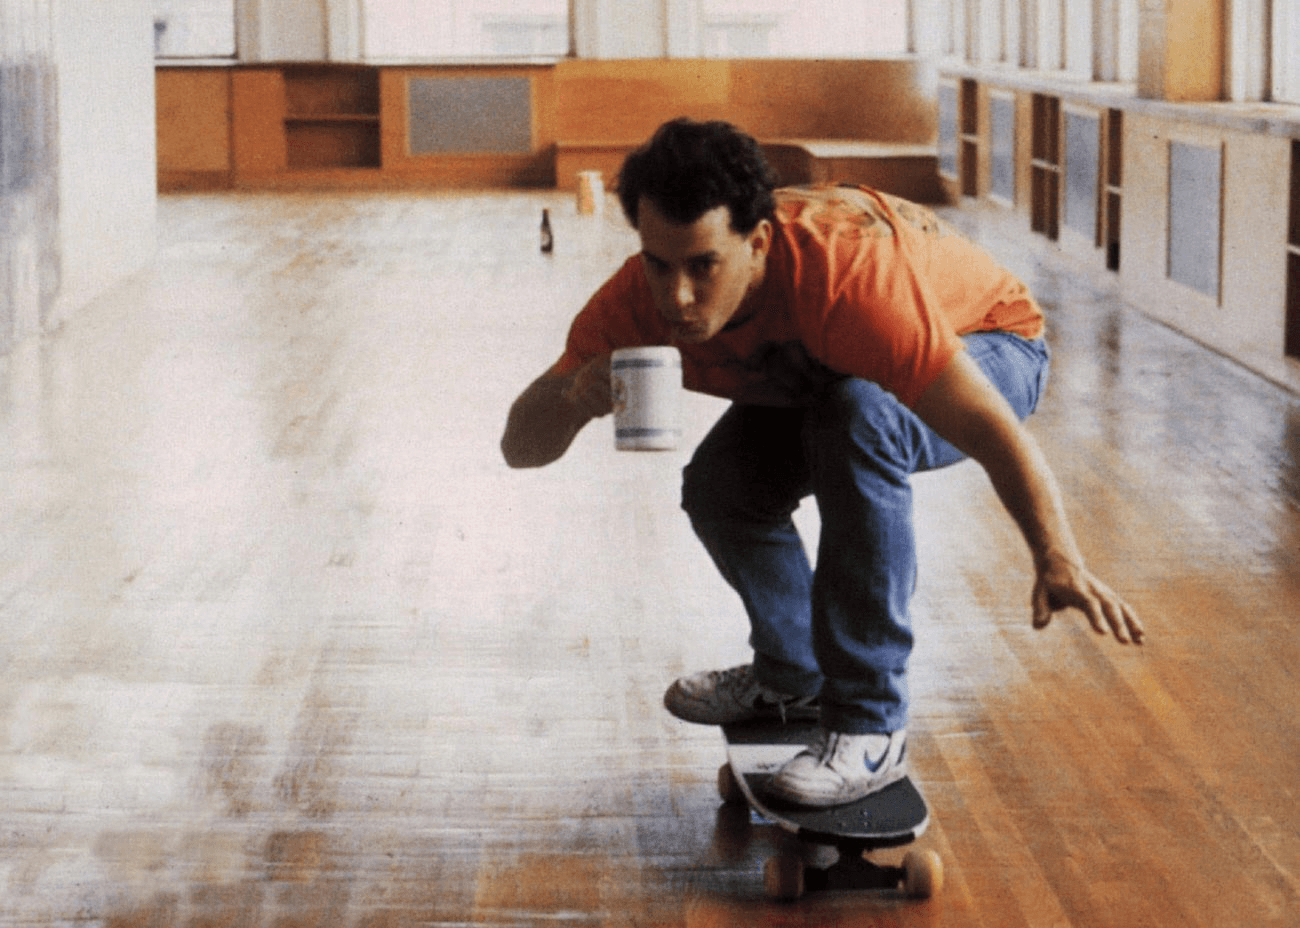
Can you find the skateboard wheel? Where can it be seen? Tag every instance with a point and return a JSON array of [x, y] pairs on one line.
[[783, 878], [922, 874], [729, 787]]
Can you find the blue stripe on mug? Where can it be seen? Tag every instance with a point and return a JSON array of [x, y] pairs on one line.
[[645, 433], [626, 363]]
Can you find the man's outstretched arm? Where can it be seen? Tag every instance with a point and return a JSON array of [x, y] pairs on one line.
[[967, 410], [551, 412]]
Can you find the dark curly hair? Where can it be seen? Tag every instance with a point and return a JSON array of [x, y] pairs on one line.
[[689, 168]]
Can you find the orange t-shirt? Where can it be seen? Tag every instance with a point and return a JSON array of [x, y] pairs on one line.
[[872, 286]]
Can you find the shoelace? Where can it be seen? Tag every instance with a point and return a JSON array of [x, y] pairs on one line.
[[747, 691]]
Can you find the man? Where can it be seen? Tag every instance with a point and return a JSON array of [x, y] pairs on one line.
[[861, 340]]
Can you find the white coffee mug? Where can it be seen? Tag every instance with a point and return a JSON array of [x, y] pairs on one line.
[[647, 385]]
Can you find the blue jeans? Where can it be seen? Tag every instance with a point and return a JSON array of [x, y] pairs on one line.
[[844, 630]]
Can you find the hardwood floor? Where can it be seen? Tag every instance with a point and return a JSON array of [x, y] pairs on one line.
[[286, 644]]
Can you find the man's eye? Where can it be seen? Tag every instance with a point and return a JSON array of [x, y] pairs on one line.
[[703, 268]]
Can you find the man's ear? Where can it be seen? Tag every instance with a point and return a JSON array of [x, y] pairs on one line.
[[760, 239]]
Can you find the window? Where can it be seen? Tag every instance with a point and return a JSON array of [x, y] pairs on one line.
[[813, 29], [1113, 47], [194, 28], [1286, 51], [955, 43], [430, 29]]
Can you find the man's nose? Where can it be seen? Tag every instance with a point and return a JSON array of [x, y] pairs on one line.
[[683, 291]]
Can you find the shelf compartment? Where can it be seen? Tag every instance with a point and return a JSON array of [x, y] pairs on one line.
[[311, 144], [1045, 166], [331, 91], [331, 117]]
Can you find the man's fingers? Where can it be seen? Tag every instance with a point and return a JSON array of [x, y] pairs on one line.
[[590, 390], [1122, 618], [1105, 612], [1042, 605], [1114, 613], [1096, 614], [1136, 631]]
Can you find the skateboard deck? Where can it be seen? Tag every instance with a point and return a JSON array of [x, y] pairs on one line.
[[833, 842]]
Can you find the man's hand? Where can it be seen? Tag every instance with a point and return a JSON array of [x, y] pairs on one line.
[[551, 412], [590, 391], [1063, 585]]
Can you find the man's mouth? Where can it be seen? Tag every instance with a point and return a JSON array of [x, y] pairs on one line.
[[687, 331]]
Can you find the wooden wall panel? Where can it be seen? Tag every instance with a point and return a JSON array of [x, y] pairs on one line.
[[1255, 207], [872, 99], [1246, 321], [1181, 50], [623, 101], [193, 127], [532, 168], [257, 123]]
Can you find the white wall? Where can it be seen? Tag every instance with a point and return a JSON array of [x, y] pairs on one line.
[[106, 142]]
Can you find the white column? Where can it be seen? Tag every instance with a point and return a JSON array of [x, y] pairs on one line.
[[927, 27], [1077, 38], [1247, 70], [682, 39], [623, 28], [282, 30], [343, 27], [107, 163]]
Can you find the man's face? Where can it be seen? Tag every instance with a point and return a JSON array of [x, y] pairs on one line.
[[699, 273]]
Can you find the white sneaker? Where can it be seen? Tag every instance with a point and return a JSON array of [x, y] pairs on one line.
[[839, 768], [720, 697]]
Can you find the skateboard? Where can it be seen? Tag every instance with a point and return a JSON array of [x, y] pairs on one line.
[[832, 844]]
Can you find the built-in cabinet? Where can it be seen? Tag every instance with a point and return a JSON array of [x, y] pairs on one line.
[[331, 117], [516, 124], [1293, 257], [1108, 231], [1045, 166], [1195, 210], [970, 140]]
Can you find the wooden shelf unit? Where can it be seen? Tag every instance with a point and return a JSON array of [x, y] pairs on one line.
[[331, 117], [1292, 338], [303, 125], [1112, 187], [1045, 166], [968, 139]]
